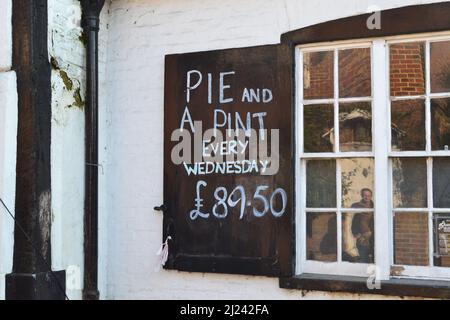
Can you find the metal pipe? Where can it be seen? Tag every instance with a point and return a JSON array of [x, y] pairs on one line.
[[90, 23]]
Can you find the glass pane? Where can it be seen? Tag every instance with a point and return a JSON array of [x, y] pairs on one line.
[[441, 182], [407, 66], [354, 73], [355, 126], [357, 182], [318, 75], [411, 239], [408, 125], [358, 237], [318, 128], [321, 184], [409, 182], [440, 124], [441, 227], [440, 66], [321, 241]]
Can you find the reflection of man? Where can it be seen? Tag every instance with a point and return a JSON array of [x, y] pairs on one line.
[[362, 227]]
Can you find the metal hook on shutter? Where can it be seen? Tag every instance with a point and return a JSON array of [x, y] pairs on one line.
[[162, 208]]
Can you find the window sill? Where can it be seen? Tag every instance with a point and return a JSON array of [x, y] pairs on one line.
[[358, 285]]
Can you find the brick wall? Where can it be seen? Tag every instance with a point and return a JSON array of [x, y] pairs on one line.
[[411, 239], [407, 69], [67, 56], [354, 73], [318, 75]]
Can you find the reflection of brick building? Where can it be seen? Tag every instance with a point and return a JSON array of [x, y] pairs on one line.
[[321, 237], [440, 67], [407, 69], [411, 238], [354, 73], [318, 75]]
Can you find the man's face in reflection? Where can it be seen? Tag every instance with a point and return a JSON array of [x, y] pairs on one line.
[[366, 196]]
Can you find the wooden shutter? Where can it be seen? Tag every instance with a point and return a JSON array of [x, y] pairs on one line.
[[242, 245]]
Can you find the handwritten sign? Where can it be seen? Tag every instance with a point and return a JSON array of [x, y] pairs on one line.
[[442, 233], [228, 155]]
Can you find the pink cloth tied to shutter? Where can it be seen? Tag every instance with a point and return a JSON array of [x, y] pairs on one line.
[[163, 253]]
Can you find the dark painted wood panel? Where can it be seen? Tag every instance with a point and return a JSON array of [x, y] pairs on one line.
[[251, 245]]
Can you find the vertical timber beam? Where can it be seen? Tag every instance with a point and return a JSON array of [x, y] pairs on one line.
[[91, 23], [32, 277]]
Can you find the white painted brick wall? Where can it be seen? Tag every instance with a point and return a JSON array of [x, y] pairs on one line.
[[140, 33], [104, 134], [67, 51], [5, 35], [8, 133]]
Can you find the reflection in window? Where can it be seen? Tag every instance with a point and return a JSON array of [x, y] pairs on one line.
[[407, 69], [411, 239], [357, 182], [441, 182], [355, 126], [441, 227], [321, 184], [358, 236], [408, 125], [440, 124], [318, 124], [354, 73], [318, 75], [440, 66], [321, 244], [409, 182]]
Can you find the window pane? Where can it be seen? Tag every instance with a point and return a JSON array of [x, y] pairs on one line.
[[440, 124], [411, 238], [409, 182], [321, 239], [355, 126], [318, 75], [354, 73], [321, 184], [441, 182], [408, 125], [318, 128], [358, 237], [357, 182], [407, 66], [440, 66], [441, 235]]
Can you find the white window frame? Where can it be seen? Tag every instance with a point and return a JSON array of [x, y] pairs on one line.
[[381, 153]]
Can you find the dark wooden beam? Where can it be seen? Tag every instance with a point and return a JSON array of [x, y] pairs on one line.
[[32, 277], [405, 20]]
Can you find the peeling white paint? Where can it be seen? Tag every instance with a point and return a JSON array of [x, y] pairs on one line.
[[67, 146], [44, 217]]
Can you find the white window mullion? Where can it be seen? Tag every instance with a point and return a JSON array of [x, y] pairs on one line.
[[301, 219], [428, 149], [300, 169], [427, 100], [338, 212], [430, 212], [381, 130], [336, 102]]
